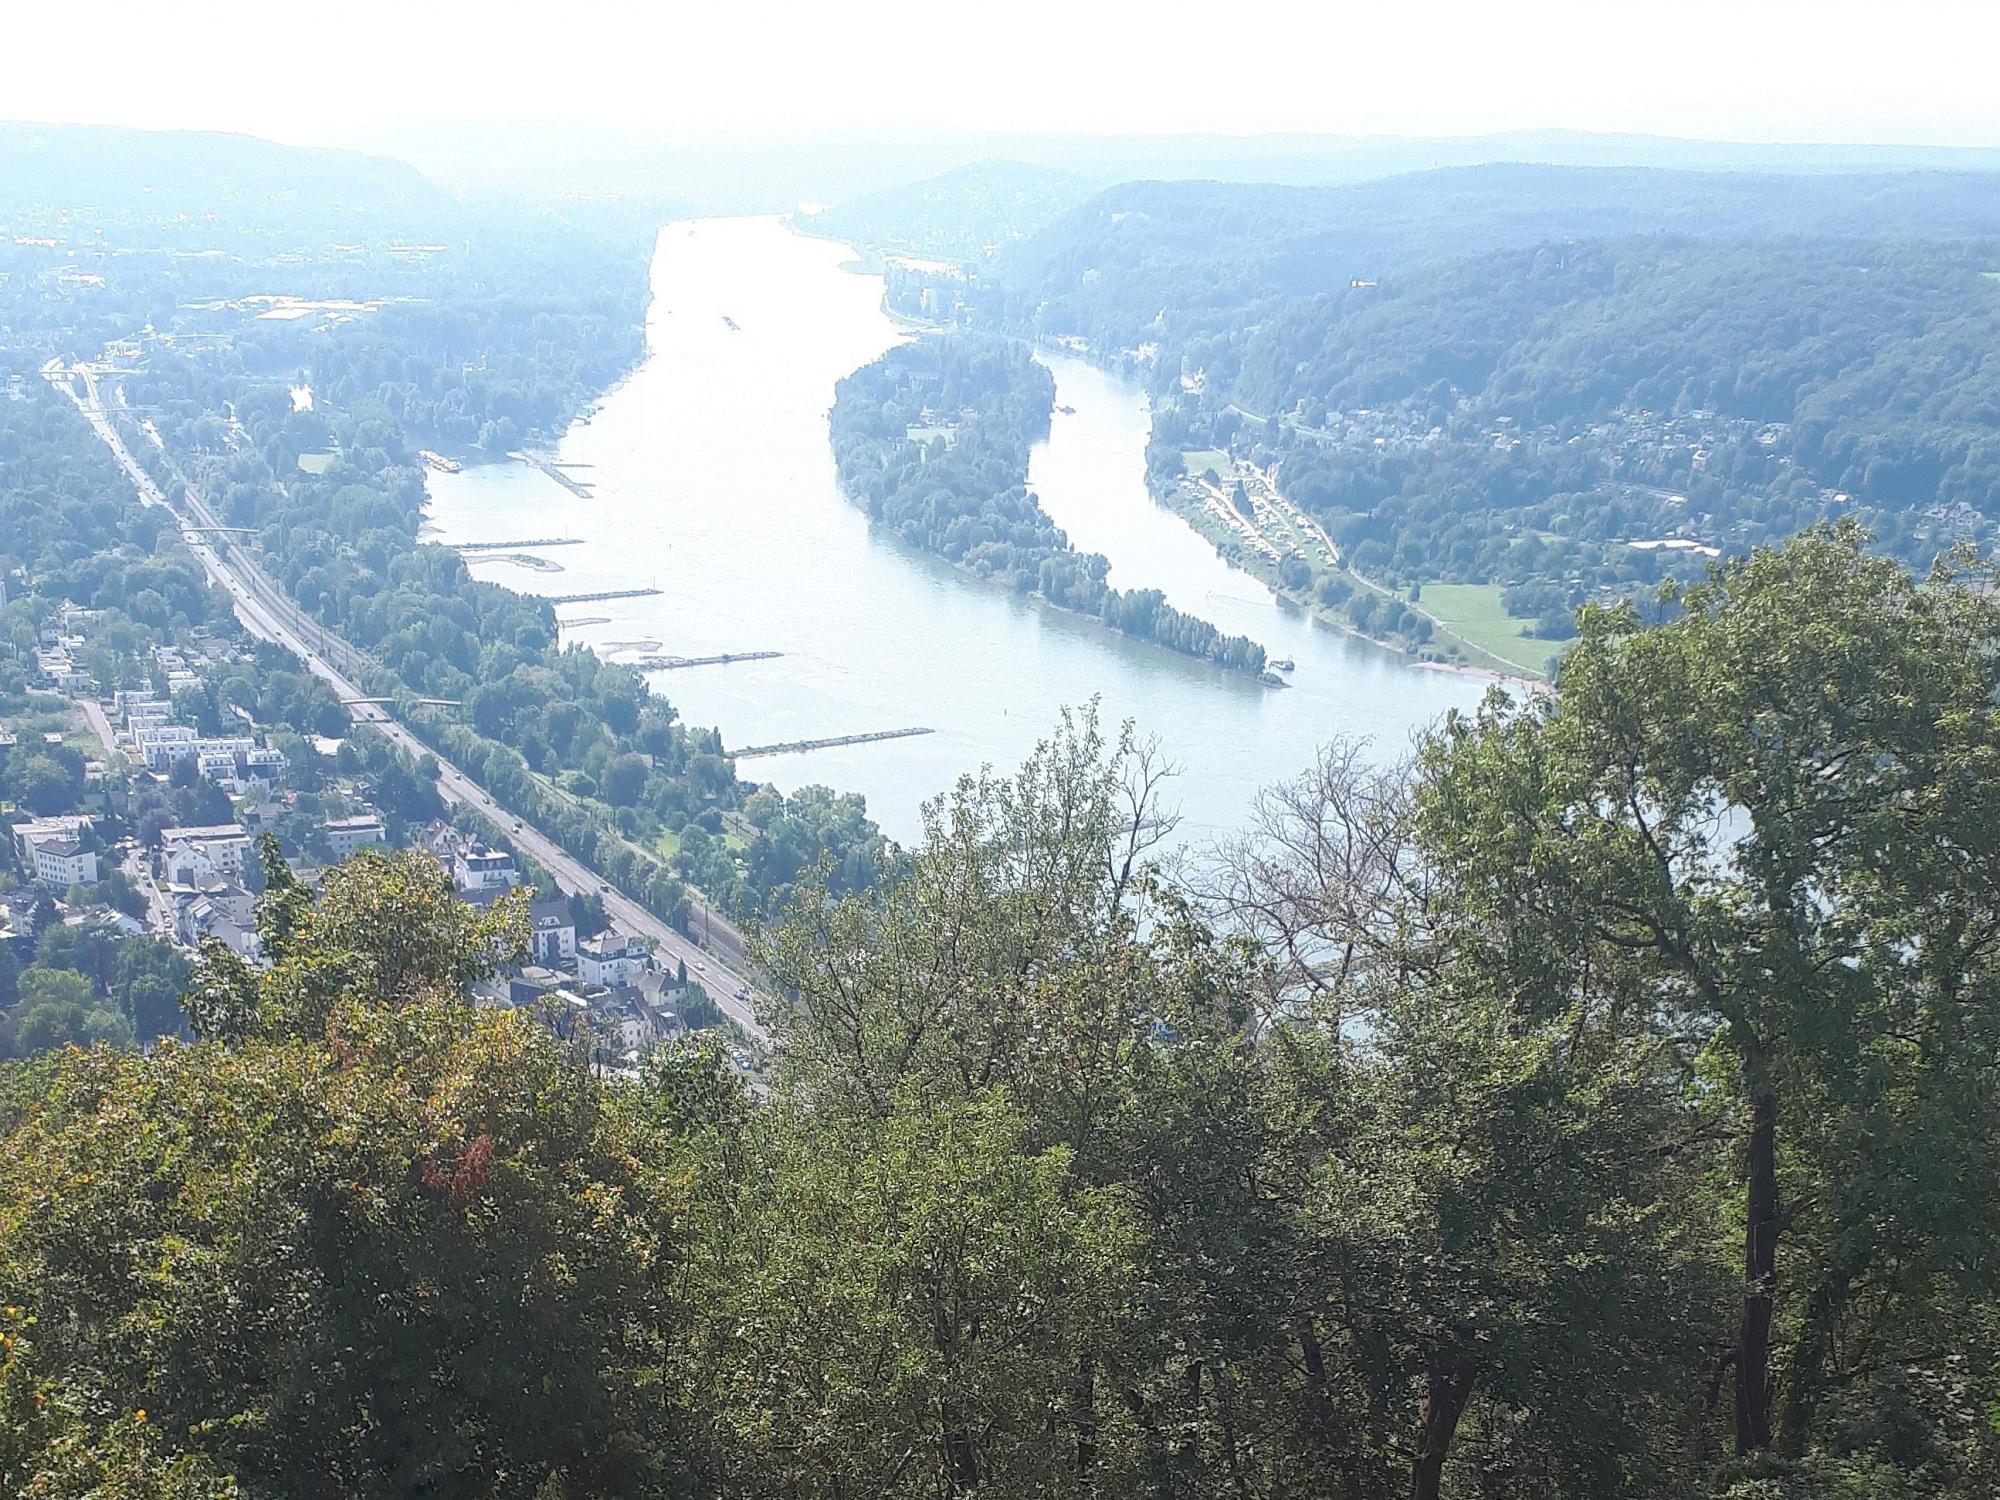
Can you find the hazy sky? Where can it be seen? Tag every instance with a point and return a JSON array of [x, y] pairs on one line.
[[1916, 71]]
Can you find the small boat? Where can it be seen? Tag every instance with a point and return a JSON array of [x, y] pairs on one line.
[[1284, 664], [731, 323]]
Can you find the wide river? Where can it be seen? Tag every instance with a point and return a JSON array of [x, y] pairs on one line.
[[712, 480]]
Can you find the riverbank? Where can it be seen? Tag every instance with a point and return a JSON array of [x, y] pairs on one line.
[[1263, 676], [1242, 542], [712, 478], [1527, 687], [1182, 497], [934, 441]]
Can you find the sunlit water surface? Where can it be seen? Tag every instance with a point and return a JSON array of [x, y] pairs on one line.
[[712, 480]]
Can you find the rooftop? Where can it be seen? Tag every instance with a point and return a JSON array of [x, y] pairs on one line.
[[210, 834]]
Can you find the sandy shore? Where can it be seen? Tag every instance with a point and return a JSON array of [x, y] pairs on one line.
[[1528, 687]]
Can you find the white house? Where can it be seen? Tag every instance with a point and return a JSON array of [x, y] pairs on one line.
[[345, 835], [226, 913], [160, 745], [202, 856], [552, 933], [478, 868], [60, 863], [51, 851], [28, 830], [242, 772], [610, 959]]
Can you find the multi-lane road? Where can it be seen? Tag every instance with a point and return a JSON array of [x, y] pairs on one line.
[[268, 612]]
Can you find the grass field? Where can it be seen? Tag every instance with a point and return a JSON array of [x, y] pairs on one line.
[[669, 842], [52, 716], [1200, 460], [1472, 612]]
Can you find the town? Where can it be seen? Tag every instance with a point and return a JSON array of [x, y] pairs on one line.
[[134, 816]]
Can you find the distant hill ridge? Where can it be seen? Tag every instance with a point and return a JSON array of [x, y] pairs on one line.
[[163, 173]]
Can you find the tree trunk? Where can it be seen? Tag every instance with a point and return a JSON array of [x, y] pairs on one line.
[[961, 1458], [1760, 1273], [1319, 1407], [1191, 1431], [1319, 1414], [1808, 1368], [1447, 1388], [961, 1463], [1085, 1417]]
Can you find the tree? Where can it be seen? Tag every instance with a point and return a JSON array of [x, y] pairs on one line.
[[384, 928], [1026, 961], [50, 986], [1475, 1174], [586, 910], [625, 780], [908, 1299], [44, 787], [150, 978], [394, 1192], [58, 1008], [1780, 814]]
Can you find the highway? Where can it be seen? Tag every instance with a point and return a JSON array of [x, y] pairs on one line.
[[268, 612]]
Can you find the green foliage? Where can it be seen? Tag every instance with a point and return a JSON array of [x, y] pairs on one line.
[[967, 499], [699, 1012], [1504, 374], [1799, 876], [910, 1343], [1464, 1131], [70, 523], [367, 1188], [419, 1203]]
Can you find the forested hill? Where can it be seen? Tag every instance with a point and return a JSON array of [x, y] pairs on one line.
[[1548, 384], [238, 181], [1876, 358], [932, 439], [964, 215], [1201, 255]]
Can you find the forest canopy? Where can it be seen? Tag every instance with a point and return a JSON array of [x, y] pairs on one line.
[[1529, 376]]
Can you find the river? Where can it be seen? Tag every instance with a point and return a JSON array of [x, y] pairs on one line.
[[712, 480]]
